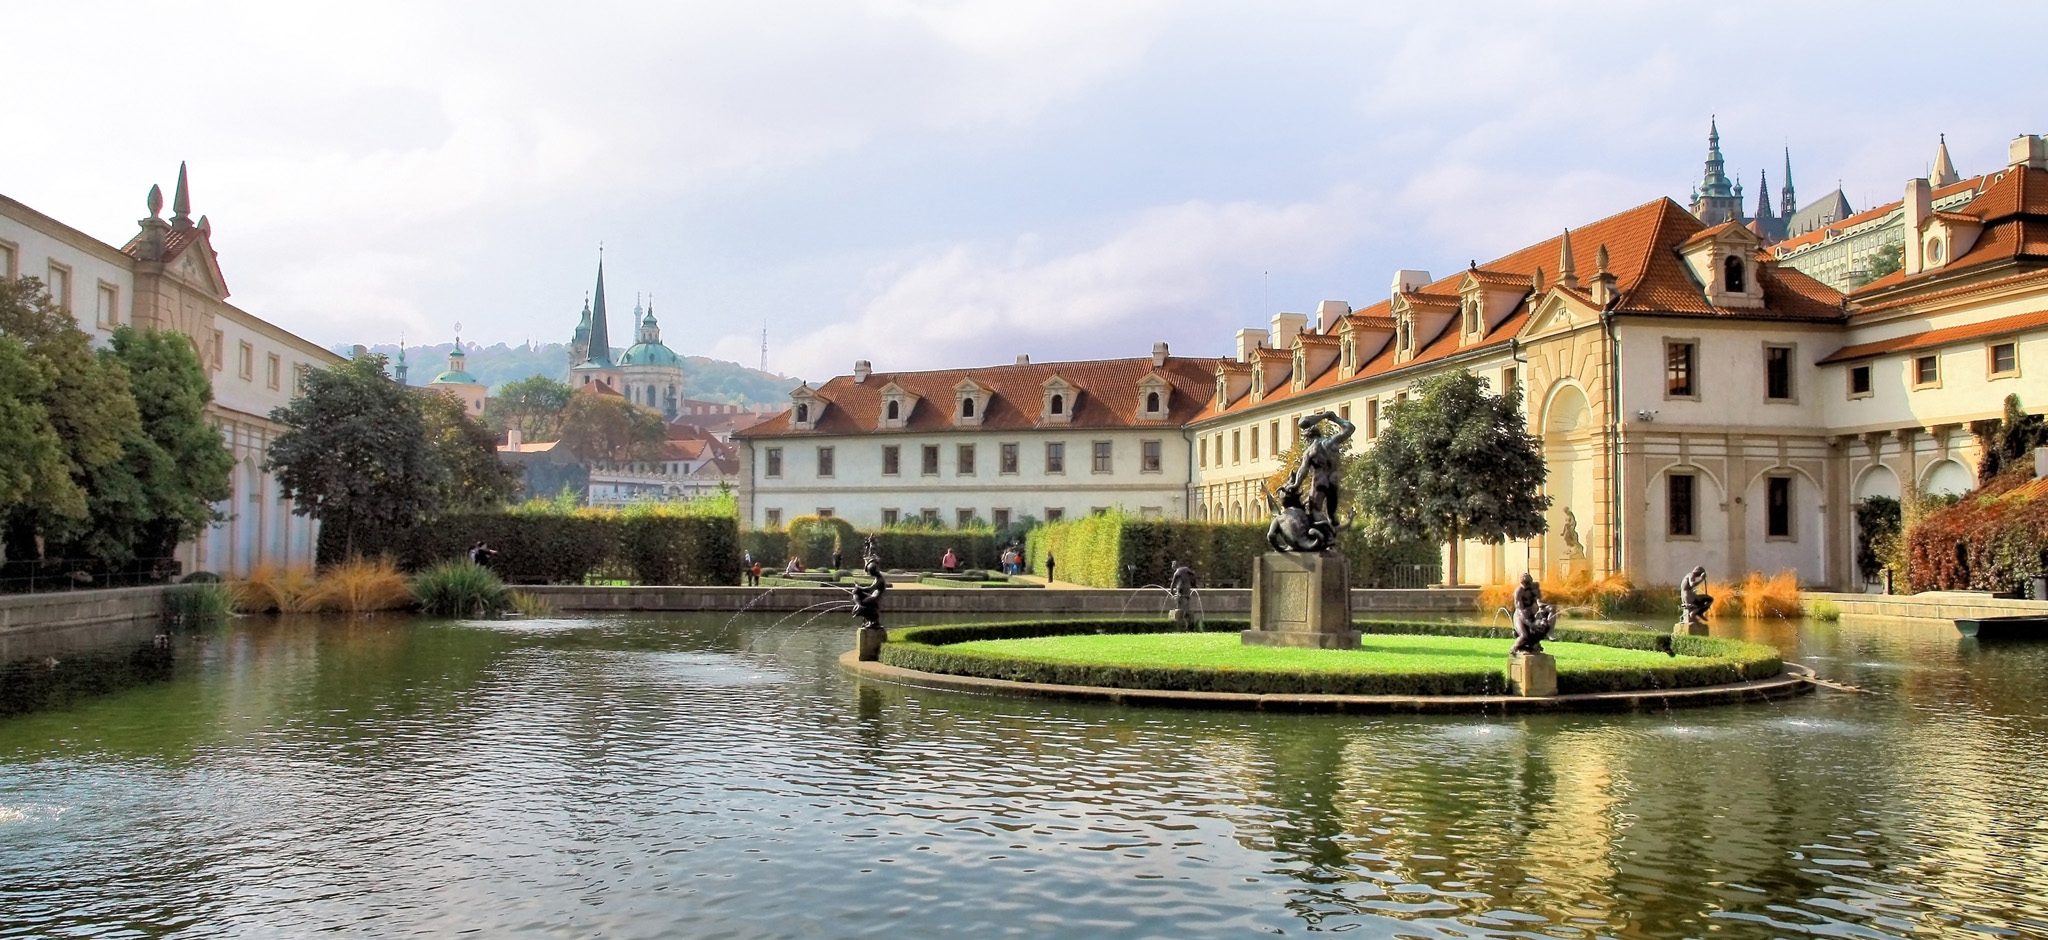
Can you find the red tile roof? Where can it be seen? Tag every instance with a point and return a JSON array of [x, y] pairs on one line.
[[1929, 339], [1867, 215], [1109, 397], [2014, 211]]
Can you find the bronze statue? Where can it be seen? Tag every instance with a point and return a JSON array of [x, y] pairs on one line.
[[1693, 599], [1533, 619], [867, 599], [1305, 510], [1182, 587], [1293, 529]]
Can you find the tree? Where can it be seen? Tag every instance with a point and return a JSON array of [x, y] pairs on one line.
[[2013, 443], [1883, 261], [470, 474], [33, 470], [597, 427], [532, 406], [1454, 463], [354, 452], [180, 462]]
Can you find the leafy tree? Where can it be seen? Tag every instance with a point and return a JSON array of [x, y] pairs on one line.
[[1454, 463], [354, 452], [91, 410], [532, 406], [607, 427], [33, 470], [1879, 520], [471, 475], [181, 464], [2013, 443], [1883, 261]]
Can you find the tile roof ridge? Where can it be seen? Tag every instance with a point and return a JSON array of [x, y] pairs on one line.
[[1625, 293]]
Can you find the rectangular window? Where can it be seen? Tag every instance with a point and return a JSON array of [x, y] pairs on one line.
[[1009, 458], [965, 517], [1055, 457], [1926, 371], [1255, 443], [1236, 452], [774, 461], [107, 309], [1778, 507], [300, 370], [930, 466], [1859, 380], [963, 460], [1344, 411], [892, 459], [772, 518], [825, 512], [1372, 418], [824, 461], [8, 254], [1679, 505], [1202, 453], [1054, 514], [1098, 510], [273, 370], [1509, 378], [1778, 373], [245, 361], [1151, 512], [1101, 457], [1149, 452], [60, 285], [217, 362], [2005, 359], [1678, 378], [928, 516], [999, 518], [891, 517], [1273, 433]]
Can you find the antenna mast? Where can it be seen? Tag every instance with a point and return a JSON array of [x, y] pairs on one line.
[[764, 347]]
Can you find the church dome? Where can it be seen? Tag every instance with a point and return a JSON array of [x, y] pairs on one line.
[[454, 377], [650, 354]]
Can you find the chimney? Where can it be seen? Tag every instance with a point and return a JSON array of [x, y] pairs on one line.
[[1248, 343], [1406, 280], [861, 370], [1919, 204], [1329, 312], [1285, 325], [2040, 462], [1159, 355], [1023, 359], [2028, 150], [512, 439]]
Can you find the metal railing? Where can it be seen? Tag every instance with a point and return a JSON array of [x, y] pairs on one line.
[[1404, 576], [43, 575]]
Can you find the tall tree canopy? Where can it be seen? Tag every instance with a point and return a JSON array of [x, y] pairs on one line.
[[33, 471], [607, 427], [532, 406], [471, 475], [354, 452], [182, 466], [1453, 463]]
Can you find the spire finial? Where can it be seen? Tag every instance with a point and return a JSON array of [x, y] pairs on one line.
[[156, 200], [1600, 258], [181, 201], [1567, 271]]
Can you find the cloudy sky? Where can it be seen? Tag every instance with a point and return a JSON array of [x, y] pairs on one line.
[[929, 184]]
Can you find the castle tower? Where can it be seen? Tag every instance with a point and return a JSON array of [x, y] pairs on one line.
[[1718, 199], [1787, 203]]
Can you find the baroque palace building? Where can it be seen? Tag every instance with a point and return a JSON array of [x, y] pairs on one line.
[[168, 277], [1698, 401]]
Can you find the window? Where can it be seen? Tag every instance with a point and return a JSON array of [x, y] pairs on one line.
[[1098, 510], [824, 461], [928, 516], [1859, 380], [1778, 373], [772, 518], [1255, 442], [273, 370], [1926, 371], [1509, 378], [1344, 411], [60, 285], [107, 308], [892, 460], [245, 361], [1372, 418], [930, 460], [1055, 457], [999, 518], [1101, 457], [1273, 435], [1152, 403], [825, 512], [1733, 282], [217, 360], [1778, 507], [1059, 404], [895, 409], [1678, 507], [2005, 360], [774, 461], [1471, 317], [1678, 363], [1202, 453], [965, 518], [967, 407], [1236, 452], [963, 460], [1149, 457], [891, 517], [7, 256], [1934, 251], [1008, 457], [1054, 514], [803, 411]]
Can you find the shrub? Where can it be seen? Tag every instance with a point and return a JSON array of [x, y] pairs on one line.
[[1823, 609], [528, 604], [1878, 522], [1993, 539], [650, 544], [460, 589], [196, 603], [815, 538]]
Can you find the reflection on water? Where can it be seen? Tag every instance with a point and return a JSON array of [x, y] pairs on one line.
[[645, 776]]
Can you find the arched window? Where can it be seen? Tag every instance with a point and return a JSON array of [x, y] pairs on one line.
[[1059, 404], [967, 407], [803, 412], [894, 411], [1733, 278], [1152, 402]]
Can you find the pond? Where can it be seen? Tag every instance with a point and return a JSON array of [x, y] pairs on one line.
[[703, 776]]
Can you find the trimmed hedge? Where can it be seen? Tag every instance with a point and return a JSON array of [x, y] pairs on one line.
[[1994, 538], [1117, 550], [535, 548], [898, 549], [1701, 661]]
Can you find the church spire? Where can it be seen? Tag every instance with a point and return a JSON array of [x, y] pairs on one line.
[[1788, 205], [181, 202], [1944, 173], [1763, 195], [600, 338]]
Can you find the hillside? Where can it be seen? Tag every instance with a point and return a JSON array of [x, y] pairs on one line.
[[703, 379]]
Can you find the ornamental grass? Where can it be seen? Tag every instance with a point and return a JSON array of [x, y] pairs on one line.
[[270, 589], [358, 586], [460, 589], [1775, 596]]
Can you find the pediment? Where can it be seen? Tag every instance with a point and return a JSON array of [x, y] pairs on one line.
[[1152, 380], [1558, 313], [893, 390], [198, 267], [1057, 383]]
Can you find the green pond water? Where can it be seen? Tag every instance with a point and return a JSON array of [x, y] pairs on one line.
[[704, 776]]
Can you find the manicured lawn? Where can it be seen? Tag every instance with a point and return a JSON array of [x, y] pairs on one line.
[[1381, 653]]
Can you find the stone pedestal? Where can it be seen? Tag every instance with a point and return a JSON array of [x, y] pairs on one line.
[[1301, 599], [1695, 628], [868, 640], [1532, 675]]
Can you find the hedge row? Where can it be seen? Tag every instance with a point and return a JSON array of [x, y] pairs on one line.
[[1116, 550], [906, 550], [566, 549], [1700, 661], [1992, 539]]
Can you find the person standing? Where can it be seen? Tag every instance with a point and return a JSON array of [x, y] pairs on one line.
[[1049, 562], [950, 562]]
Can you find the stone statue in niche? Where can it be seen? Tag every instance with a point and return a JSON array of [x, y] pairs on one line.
[[1573, 548], [1305, 508], [1693, 599]]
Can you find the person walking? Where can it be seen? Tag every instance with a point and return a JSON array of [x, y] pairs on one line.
[[835, 559], [950, 562], [1049, 563]]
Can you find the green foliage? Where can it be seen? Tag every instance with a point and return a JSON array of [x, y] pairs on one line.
[[1698, 661], [599, 427], [650, 545], [460, 589], [1994, 538], [33, 468], [468, 474], [2013, 443], [815, 538], [1453, 463], [1087, 550], [1824, 610], [532, 406], [1119, 550], [180, 462], [1878, 524], [1885, 260], [528, 604], [354, 453], [192, 604]]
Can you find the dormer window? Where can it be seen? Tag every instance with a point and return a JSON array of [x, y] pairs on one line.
[[1471, 310], [1059, 404], [967, 407], [1151, 402], [1733, 280], [895, 411], [1300, 367], [970, 403], [1350, 353]]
